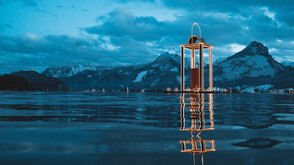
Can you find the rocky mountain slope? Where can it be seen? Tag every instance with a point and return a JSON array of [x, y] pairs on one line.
[[41, 82], [14, 83]]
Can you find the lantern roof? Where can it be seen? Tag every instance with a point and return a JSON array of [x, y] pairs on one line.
[[196, 46]]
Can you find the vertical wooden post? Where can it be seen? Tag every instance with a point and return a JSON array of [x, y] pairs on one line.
[[182, 69], [211, 113], [210, 70], [192, 59], [182, 114], [201, 112], [201, 67]]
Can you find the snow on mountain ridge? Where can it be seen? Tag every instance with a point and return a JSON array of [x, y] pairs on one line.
[[140, 76], [70, 70]]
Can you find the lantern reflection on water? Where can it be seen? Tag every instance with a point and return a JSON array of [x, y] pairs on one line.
[[197, 125]]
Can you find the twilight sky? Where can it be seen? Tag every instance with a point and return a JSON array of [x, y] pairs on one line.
[[36, 34]]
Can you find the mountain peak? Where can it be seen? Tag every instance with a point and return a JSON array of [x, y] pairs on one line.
[[166, 57], [256, 48]]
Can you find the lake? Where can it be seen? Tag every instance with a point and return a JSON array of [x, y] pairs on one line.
[[145, 128]]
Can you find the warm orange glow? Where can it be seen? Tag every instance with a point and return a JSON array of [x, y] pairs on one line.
[[198, 146]]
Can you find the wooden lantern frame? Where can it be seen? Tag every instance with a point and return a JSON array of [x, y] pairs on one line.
[[192, 47]]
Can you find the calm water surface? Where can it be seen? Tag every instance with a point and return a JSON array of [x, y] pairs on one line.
[[148, 128]]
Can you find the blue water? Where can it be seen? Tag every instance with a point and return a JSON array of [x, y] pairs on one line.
[[145, 128]]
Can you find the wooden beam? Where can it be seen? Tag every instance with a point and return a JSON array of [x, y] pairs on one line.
[[182, 68], [210, 70], [196, 46], [201, 67], [192, 59]]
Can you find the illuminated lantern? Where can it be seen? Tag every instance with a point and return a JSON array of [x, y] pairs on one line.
[[197, 74]]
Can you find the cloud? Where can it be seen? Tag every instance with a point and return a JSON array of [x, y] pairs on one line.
[[50, 44], [226, 6], [123, 23], [46, 12], [29, 3], [34, 52], [5, 26], [217, 27], [59, 6], [141, 38], [85, 10], [51, 50], [223, 51], [236, 47], [279, 13], [271, 15], [273, 50], [32, 3]]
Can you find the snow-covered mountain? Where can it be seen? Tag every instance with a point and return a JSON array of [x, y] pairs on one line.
[[71, 70], [161, 73], [252, 66], [252, 61], [163, 63]]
